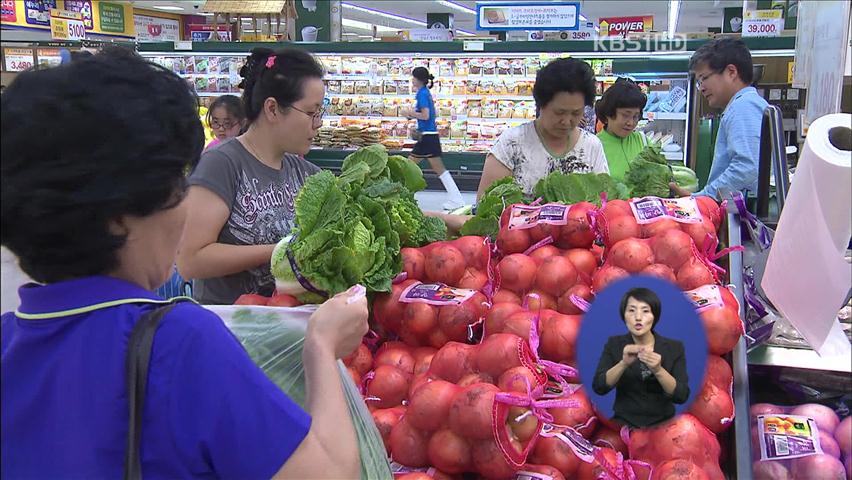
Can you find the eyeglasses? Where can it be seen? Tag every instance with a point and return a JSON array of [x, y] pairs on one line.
[[225, 125], [704, 78], [624, 116], [316, 116]]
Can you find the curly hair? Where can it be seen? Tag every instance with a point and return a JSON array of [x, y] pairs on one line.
[[564, 75], [624, 93], [85, 144], [281, 78]]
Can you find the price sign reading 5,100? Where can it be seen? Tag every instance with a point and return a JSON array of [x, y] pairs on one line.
[[76, 30]]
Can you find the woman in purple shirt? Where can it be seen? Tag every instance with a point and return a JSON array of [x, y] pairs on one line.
[[95, 218]]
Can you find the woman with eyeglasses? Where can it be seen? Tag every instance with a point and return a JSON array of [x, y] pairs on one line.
[[620, 109], [226, 118], [241, 196]]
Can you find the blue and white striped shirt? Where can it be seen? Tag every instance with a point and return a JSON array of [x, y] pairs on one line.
[[737, 153]]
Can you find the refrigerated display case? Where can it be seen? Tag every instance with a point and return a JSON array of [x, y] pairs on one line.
[[479, 91]]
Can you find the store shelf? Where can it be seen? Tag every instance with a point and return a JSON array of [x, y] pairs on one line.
[[453, 118], [502, 78], [799, 358], [438, 96], [663, 116]]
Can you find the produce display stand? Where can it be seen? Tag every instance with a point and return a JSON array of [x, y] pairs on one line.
[[741, 454]]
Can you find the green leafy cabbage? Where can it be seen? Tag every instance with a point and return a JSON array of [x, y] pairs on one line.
[[649, 174], [349, 229], [579, 187], [495, 199]]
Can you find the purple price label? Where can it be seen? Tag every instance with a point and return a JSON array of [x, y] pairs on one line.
[[552, 213], [435, 294], [648, 209], [787, 436], [523, 216]]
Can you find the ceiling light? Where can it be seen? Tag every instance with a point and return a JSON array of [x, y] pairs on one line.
[[384, 14], [674, 12], [348, 22], [465, 32], [349, 33], [168, 8], [456, 6], [206, 14]]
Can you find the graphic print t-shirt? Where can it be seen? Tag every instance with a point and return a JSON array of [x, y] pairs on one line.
[[261, 200], [520, 149]]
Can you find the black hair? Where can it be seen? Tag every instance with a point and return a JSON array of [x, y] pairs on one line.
[[62, 191], [564, 75], [722, 52], [231, 103], [624, 93], [643, 295], [282, 80], [422, 74]]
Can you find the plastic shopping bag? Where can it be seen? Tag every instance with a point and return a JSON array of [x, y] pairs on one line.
[[274, 338]]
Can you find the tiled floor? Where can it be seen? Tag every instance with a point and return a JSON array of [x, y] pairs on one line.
[[432, 200]]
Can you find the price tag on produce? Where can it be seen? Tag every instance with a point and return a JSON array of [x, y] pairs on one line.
[[523, 216], [763, 23], [787, 436], [18, 59], [435, 294], [706, 297], [652, 209]]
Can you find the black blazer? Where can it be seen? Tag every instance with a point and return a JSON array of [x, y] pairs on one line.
[[639, 398]]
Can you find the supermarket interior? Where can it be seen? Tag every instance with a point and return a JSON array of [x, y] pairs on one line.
[[507, 194]]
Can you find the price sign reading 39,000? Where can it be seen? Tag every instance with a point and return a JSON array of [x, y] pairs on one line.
[[769, 28]]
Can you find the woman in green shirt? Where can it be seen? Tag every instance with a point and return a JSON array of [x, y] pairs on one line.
[[620, 109]]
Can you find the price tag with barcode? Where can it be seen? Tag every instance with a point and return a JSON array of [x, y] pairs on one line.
[[787, 436]]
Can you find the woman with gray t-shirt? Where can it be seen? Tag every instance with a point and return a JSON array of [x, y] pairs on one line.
[[242, 194]]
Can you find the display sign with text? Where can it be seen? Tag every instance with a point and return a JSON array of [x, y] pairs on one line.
[[528, 16], [621, 26]]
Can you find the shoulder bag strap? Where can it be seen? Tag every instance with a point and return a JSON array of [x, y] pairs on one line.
[[136, 368]]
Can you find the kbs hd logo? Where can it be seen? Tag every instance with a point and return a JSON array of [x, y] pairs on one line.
[[655, 43]]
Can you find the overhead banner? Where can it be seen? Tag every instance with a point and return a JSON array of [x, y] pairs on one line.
[[114, 19], [621, 26], [528, 16], [156, 29]]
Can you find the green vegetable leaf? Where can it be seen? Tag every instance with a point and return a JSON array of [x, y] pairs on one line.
[[320, 202], [481, 226], [432, 230], [375, 156], [407, 173]]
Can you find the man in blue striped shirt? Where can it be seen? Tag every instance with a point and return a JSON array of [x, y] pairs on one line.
[[723, 72]]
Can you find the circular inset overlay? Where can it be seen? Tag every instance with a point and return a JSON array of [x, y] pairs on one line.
[[678, 325]]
